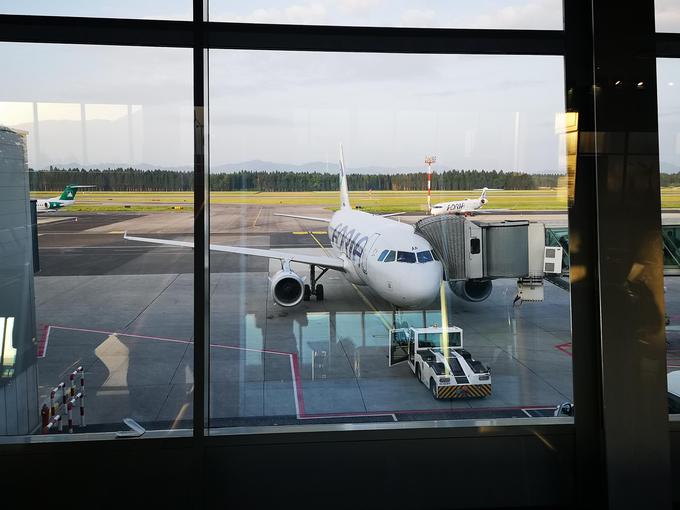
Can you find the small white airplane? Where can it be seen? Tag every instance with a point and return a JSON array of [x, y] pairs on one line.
[[385, 255], [67, 197], [466, 207]]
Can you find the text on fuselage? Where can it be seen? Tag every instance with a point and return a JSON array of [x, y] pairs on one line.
[[349, 241]]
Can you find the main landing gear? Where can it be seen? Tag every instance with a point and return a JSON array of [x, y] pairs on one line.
[[314, 289]]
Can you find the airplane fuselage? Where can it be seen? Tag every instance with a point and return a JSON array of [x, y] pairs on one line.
[[51, 204], [406, 276], [457, 207]]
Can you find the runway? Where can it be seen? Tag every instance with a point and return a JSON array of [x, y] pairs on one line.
[[124, 311]]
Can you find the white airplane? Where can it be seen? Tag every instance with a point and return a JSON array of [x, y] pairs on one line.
[[385, 255], [68, 196], [466, 207]]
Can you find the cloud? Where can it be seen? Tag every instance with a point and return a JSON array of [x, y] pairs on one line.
[[303, 14], [536, 14], [417, 18], [357, 7]]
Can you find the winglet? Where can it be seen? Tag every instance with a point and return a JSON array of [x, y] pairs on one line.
[[344, 192]]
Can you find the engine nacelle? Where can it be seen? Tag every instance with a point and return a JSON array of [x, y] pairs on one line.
[[287, 288], [472, 290]]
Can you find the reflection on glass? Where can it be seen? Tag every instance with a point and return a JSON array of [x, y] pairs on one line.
[[668, 74], [108, 151]]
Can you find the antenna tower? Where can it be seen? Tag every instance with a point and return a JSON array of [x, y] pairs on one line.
[[429, 161]]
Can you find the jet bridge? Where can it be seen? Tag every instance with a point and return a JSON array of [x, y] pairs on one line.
[[479, 251]]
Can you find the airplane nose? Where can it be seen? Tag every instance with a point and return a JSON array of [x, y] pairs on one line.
[[422, 289]]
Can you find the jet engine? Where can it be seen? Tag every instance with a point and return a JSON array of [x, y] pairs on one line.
[[287, 288], [472, 290]]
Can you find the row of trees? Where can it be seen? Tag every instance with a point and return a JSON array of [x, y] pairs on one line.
[[130, 179]]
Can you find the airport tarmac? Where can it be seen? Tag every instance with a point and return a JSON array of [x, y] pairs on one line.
[[124, 311]]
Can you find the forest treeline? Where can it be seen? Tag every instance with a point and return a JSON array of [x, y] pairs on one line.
[[131, 179]]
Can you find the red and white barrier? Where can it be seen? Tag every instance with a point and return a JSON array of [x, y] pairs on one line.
[[51, 417]]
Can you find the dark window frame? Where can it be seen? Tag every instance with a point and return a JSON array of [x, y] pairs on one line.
[[575, 44]]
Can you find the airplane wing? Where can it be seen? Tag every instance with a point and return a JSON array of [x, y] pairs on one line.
[[313, 218], [317, 260]]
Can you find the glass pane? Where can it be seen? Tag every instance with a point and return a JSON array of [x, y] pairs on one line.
[[292, 344], [106, 148], [149, 9], [667, 15], [545, 14], [668, 79]]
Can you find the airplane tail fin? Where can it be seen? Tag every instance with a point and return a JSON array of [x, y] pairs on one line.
[[482, 197], [69, 193], [344, 192]]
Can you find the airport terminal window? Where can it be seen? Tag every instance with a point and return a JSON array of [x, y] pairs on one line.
[[282, 128], [668, 75], [108, 141], [505, 14], [165, 9], [667, 16]]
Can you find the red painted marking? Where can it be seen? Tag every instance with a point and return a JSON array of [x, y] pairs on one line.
[[298, 384], [42, 345], [565, 348]]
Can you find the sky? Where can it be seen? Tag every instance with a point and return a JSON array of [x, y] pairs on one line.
[[132, 106]]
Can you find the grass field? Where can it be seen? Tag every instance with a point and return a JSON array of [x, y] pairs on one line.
[[376, 201]]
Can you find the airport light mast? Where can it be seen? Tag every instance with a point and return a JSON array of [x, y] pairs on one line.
[[429, 160]]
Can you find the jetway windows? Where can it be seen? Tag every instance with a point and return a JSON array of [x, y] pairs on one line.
[[475, 246]]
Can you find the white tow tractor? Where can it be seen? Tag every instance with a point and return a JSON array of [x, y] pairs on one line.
[[437, 358]]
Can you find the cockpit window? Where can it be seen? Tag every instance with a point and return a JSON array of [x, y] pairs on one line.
[[390, 257], [406, 256], [425, 256], [383, 255]]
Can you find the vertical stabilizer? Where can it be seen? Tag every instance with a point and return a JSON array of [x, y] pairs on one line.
[[69, 193], [483, 195], [344, 192]]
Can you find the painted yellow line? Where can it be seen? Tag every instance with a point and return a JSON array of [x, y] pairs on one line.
[[116, 232], [257, 217], [361, 294], [317, 232]]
